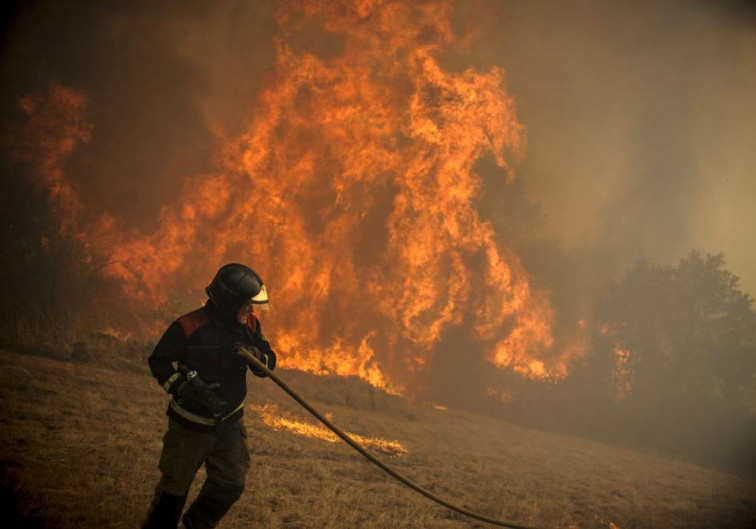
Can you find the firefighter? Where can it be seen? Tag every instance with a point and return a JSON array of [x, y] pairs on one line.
[[195, 361]]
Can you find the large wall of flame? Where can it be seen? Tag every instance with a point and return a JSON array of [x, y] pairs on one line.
[[350, 189], [336, 147]]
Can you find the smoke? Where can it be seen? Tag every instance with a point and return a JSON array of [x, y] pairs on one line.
[[639, 117], [163, 81], [373, 166], [638, 129]]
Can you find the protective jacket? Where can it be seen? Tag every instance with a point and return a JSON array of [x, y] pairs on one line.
[[205, 340]]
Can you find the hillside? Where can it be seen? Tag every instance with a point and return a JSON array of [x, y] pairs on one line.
[[80, 443]]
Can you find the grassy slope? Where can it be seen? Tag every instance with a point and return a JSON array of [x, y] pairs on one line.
[[80, 444]]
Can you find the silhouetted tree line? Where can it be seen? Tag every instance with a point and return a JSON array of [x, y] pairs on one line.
[[691, 337], [672, 368], [672, 348], [50, 290]]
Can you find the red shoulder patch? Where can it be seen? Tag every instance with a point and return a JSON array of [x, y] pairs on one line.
[[252, 322], [192, 321]]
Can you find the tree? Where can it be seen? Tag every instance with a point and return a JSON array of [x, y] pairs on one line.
[[691, 337], [690, 330]]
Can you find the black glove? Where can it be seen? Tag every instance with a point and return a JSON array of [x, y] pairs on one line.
[[262, 357], [251, 348], [267, 358], [254, 350], [193, 392]]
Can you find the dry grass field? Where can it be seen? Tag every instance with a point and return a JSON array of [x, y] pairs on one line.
[[80, 443]]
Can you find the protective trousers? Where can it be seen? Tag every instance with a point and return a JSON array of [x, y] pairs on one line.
[[226, 457]]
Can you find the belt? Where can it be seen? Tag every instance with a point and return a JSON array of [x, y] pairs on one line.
[[186, 414]]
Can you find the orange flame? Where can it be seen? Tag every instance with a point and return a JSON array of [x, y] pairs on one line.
[[623, 374], [56, 128], [273, 418], [352, 193], [504, 395]]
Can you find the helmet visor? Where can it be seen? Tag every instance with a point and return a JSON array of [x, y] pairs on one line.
[[260, 301]]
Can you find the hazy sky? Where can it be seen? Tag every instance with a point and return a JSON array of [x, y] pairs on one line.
[[640, 115], [641, 120]]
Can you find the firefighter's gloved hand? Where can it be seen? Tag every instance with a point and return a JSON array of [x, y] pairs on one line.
[[195, 393], [268, 359], [262, 357], [250, 348], [253, 350]]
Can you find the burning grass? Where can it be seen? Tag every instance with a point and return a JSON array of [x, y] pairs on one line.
[[273, 417], [80, 442]]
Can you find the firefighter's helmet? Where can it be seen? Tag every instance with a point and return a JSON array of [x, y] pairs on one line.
[[235, 285]]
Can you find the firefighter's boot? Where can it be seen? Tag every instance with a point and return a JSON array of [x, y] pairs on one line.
[[211, 505], [165, 511]]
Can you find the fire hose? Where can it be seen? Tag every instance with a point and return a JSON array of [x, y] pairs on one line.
[[354, 444]]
